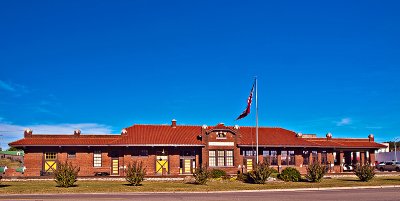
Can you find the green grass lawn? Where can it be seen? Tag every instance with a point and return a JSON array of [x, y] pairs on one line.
[[28, 187]]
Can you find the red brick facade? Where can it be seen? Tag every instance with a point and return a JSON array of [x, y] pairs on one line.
[[178, 150]]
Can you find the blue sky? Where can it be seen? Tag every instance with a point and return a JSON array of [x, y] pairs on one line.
[[102, 66]]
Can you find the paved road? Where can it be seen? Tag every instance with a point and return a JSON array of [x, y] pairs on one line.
[[384, 194]]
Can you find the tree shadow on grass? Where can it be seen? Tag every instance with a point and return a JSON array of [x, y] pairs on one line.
[[132, 185], [392, 179], [353, 180], [73, 186]]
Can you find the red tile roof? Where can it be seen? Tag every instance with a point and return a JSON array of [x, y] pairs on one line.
[[160, 134], [56, 140], [272, 137], [165, 135], [345, 143]]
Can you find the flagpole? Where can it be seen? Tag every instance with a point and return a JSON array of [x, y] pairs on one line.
[[256, 120]]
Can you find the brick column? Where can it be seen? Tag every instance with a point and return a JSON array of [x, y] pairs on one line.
[[319, 157], [298, 157], [341, 158], [362, 158], [372, 157], [279, 161], [354, 157]]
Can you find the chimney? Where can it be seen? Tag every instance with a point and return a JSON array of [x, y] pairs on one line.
[[77, 133], [173, 123], [124, 132], [27, 133], [371, 137], [329, 136]]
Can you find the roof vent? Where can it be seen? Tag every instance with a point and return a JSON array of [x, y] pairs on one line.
[[204, 127], [222, 124], [173, 123], [236, 127], [299, 135], [77, 132], [124, 131]]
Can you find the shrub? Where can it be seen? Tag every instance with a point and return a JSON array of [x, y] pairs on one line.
[[1, 177], [290, 174], [364, 172], [65, 175], [259, 175], [315, 172], [217, 173], [135, 173], [201, 175]]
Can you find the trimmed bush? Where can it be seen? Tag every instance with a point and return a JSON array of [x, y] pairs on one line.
[[217, 173], [201, 175], [135, 173], [65, 175], [290, 174], [315, 172], [259, 175], [364, 172]]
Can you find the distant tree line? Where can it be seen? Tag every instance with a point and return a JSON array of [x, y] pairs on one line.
[[391, 145]]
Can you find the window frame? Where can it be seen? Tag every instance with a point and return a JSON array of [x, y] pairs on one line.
[[71, 154], [97, 156], [214, 160], [52, 154]]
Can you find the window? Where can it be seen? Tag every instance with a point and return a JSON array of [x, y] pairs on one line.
[[229, 158], [71, 154], [306, 157], [267, 157], [139, 152], [324, 158], [284, 158], [314, 156], [211, 158], [274, 158], [50, 156], [220, 158], [249, 152], [336, 156], [291, 158], [143, 152], [221, 135], [97, 158]]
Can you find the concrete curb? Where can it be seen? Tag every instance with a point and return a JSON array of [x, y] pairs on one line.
[[239, 191]]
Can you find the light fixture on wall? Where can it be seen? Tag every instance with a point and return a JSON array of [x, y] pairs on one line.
[[163, 151]]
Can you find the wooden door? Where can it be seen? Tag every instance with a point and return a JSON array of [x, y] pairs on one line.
[[115, 166]]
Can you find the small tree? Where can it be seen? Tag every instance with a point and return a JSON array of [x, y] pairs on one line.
[[259, 175], [364, 172], [290, 174], [135, 173], [65, 175], [315, 172], [201, 175]]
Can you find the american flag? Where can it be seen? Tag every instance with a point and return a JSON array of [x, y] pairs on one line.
[[249, 100]]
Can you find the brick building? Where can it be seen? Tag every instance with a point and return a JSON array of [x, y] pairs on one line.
[[178, 149]]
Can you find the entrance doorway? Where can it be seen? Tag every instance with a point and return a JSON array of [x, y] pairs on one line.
[[162, 164], [114, 166]]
